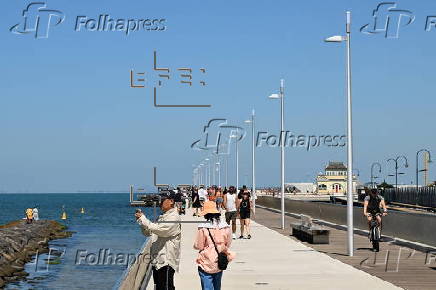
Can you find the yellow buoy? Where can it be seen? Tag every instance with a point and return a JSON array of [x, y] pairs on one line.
[[82, 210], [64, 216]]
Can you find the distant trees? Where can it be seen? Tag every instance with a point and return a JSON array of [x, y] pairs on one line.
[[384, 185]]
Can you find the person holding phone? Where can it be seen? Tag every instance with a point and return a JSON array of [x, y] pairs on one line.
[[166, 236]]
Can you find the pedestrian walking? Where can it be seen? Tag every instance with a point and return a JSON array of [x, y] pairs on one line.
[[196, 204], [211, 193], [165, 248], [202, 194], [219, 199], [213, 242], [230, 203], [245, 207]]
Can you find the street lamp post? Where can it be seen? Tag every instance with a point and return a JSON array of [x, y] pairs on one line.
[[213, 167], [350, 227], [357, 170], [227, 170], [202, 176], [417, 170], [218, 169], [237, 158], [281, 96], [253, 160], [373, 177], [396, 168], [195, 176], [208, 171]]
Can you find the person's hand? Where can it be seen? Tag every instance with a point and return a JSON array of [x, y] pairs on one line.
[[366, 214], [138, 215], [385, 214]]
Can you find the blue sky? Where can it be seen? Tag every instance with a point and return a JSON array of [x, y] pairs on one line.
[[69, 120]]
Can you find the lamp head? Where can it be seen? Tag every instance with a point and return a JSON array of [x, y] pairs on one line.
[[274, 96], [336, 38]]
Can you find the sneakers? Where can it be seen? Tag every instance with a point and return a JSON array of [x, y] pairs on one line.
[[249, 237], [234, 236], [241, 237]]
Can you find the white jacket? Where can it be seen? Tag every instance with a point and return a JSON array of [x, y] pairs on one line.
[[165, 238]]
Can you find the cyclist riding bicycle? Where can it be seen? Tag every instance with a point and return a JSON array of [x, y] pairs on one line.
[[373, 205]]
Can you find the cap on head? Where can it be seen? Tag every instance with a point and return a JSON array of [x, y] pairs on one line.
[[168, 195]]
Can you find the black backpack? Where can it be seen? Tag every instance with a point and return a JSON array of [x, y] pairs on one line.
[[374, 203]]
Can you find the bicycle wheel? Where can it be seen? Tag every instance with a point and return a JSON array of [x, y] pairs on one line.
[[376, 245]]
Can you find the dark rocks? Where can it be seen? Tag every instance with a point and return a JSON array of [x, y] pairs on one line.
[[20, 241]]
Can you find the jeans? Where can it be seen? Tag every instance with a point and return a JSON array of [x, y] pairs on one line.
[[210, 281]]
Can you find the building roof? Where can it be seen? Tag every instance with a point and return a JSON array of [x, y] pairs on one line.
[[336, 166]]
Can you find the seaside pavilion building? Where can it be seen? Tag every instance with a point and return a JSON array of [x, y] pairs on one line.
[[334, 179]]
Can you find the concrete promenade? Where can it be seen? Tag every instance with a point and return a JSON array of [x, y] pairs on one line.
[[272, 261]]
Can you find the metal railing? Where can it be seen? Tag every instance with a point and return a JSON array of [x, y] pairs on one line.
[[424, 196], [138, 273]]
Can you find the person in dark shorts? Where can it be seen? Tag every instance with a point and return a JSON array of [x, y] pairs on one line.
[[373, 205], [178, 199], [244, 209], [230, 204], [196, 204]]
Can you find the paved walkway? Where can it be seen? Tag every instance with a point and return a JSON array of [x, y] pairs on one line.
[[272, 261], [395, 263]]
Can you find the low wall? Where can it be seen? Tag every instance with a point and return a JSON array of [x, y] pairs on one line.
[[415, 227]]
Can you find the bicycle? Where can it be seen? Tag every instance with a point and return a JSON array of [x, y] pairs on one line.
[[375, 232]]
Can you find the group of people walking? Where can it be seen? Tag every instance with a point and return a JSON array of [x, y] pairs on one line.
[[234, 204], [213, 238]]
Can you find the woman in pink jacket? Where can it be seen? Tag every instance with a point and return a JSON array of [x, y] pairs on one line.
[[210, 274]]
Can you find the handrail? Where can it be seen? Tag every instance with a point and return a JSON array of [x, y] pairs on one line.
[[137, 275]]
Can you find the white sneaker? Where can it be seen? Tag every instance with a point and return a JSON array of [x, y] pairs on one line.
[[234, 236]]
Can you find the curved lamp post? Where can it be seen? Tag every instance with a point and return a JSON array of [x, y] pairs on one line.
[[417, 163], [373, 177], [395, 160]]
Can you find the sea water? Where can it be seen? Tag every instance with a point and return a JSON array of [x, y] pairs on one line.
[[107, 230]]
